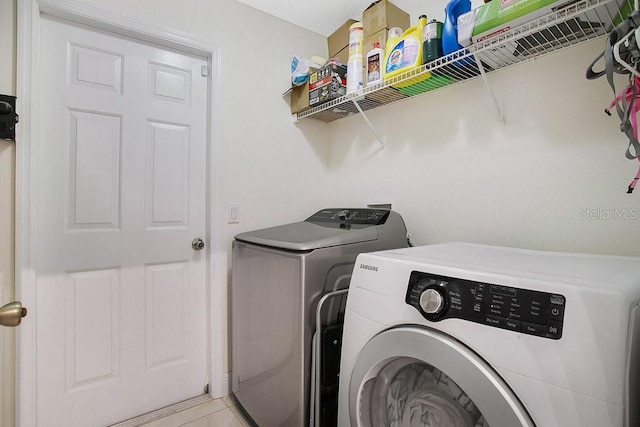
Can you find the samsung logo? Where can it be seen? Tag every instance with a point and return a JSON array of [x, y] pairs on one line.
[[368, 267]]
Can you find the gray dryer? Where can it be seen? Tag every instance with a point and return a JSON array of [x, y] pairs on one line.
[[279, 275]]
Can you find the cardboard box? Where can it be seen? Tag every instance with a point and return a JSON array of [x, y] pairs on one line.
[[329, 82], [300, 98], [342, 56], [339, 39], [498, 17], [380, 37], [383, 14]]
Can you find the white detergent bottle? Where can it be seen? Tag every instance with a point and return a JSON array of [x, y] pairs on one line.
[[375, 59], [354, 65]]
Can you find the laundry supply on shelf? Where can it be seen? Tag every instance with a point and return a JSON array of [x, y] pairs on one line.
[[404, 53], [301, 68], [354, 65], [328, 83], [375, 57], [452, 11], [497, 17], [431, 41]]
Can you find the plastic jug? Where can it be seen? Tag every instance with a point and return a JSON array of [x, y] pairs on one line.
[[453, 9], [392, 38], [404, 52]]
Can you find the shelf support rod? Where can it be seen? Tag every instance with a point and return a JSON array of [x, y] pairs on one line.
[[486, 83], [366, 119]]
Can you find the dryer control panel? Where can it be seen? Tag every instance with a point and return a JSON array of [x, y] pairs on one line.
[[519, 310]]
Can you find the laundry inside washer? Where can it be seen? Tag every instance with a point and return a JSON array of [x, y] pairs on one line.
[[279, 277], [409, 392]]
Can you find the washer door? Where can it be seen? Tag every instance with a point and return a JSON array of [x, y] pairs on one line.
[[415, 376]]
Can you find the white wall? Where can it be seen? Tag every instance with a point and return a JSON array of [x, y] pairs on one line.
[[456, 174], [7, 184]]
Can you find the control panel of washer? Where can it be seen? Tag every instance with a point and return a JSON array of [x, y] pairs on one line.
[[350, 216], [520, 310]]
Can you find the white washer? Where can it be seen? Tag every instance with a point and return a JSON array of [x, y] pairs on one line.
[[488, 336]]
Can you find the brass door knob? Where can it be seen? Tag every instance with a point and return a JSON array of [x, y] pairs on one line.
[[12, 314]]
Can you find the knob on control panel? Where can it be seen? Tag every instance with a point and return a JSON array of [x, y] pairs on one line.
[[344, 214], [431, 301]]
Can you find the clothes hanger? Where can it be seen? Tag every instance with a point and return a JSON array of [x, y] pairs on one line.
[[625, 40]]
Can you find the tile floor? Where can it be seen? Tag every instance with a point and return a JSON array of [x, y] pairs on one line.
[[214, 413]]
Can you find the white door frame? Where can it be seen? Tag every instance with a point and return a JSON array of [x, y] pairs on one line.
[[28, 138]]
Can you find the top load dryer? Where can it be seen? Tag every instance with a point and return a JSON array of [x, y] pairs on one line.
[[279, 274]]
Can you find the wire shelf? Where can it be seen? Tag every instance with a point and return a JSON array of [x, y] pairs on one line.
[[568, 26]]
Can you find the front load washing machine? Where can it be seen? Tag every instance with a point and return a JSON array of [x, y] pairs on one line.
[[279, 275], [470, 335]]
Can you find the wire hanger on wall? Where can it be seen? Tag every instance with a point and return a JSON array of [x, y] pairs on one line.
[[622, 56]]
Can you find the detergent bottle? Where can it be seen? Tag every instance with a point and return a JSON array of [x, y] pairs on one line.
[[392, 38], [431, 41], [404, 52], [375, 58], [453, 9]]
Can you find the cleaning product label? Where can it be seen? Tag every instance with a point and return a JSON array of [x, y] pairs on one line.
[[373, 68], [404, 54], [356, 34], [433, 30]]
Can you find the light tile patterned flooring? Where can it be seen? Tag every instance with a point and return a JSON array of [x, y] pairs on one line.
[[214, 413]]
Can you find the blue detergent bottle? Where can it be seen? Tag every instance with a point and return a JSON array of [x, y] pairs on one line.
[[453, 9]]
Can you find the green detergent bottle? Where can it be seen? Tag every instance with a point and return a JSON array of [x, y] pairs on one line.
[[431, 41]]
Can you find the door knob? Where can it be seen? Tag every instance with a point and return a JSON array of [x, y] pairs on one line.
[[12, 314], [197, 244]]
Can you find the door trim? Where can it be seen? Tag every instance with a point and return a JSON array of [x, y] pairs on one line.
[[28, 32]]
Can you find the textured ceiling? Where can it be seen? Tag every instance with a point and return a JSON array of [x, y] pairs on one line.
[[325, 16]]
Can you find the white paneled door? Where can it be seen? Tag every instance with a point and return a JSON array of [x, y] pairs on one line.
[[121, 176]]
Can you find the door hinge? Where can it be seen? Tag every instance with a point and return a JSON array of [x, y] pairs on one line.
[[8, 117], [206, 389], [204, 71]]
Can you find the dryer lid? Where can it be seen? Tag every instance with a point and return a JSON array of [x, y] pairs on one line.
[[325, 228]]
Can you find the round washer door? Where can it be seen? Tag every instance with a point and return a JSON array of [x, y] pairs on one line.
[[415, 376]]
